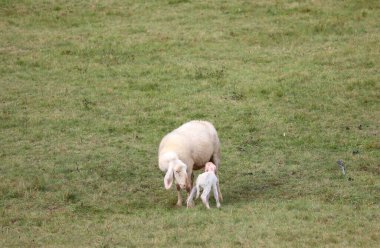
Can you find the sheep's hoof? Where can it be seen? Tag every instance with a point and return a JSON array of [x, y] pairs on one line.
[[190, 205]]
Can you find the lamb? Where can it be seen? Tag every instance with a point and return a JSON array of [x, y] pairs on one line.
[[206, 181], [187, 148]]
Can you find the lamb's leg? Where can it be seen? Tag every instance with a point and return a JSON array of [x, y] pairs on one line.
[[190, 202], [215, 187], [179, 202], [205, 195]]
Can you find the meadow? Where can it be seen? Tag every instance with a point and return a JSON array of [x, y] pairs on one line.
[[89, 88]]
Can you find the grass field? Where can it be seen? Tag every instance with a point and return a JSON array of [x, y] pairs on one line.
[[89, 88]]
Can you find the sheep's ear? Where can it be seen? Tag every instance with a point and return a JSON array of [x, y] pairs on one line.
[[168, 180]]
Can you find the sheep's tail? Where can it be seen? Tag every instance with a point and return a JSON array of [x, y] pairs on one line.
[[198, 191]]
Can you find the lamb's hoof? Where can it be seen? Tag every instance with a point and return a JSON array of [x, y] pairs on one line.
[[218, 205], [190, 205]]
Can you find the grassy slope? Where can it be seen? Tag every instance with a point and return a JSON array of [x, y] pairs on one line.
[[88, 88]]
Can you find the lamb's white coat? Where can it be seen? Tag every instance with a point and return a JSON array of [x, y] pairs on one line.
[[206, 181], [187, 148]]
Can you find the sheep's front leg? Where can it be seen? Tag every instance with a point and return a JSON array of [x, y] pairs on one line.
[[191, 190], [189, 181], [179, 202]]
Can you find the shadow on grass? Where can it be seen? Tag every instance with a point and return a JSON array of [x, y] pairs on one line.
[[249, 188]]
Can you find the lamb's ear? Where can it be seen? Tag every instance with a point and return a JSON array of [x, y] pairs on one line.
[[168, 180]]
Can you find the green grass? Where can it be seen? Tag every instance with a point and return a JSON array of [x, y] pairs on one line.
[[88, 89]]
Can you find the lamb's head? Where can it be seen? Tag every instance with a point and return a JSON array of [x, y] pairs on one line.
[[209, 166], [177, 170]]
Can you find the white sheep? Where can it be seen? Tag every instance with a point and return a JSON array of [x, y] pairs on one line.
[[187, 148], [206, 181]]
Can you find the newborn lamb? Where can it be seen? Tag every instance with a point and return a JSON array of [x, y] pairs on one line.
[[206, 181]]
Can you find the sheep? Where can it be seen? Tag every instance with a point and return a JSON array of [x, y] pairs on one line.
[[187, 148], [206, 181]]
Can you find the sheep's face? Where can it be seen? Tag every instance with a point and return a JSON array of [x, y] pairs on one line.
[[176, 171], [180, 175]]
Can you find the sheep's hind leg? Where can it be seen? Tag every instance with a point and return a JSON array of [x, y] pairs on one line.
[[220, 193], [216, 160]]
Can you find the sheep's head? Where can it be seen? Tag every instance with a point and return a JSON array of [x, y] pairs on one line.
[[177, 170]]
